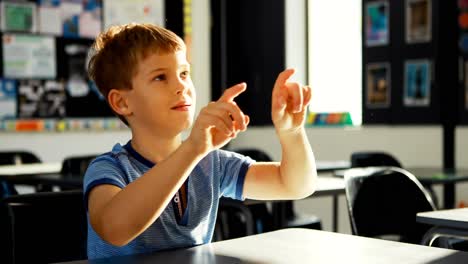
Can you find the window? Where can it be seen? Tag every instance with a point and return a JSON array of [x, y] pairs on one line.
[[335, 56]]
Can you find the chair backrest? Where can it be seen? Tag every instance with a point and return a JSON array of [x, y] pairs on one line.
[[384, 201], [18, 157], [14, 157], [45, 227], [76, 165], [373, 158], [256, 154], [262, 217], [234, 220]]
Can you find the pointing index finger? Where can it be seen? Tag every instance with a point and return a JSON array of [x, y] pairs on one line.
[[233, 92], [283, 77]]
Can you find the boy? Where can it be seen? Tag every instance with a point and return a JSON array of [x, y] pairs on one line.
[[158, 192]]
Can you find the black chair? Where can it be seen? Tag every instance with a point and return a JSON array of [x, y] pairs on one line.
[[18, 157], [43, 227], [383, 203], [234, 220], [266, 221], [76, 165], [373, 158], [14, 158], [379, 158]]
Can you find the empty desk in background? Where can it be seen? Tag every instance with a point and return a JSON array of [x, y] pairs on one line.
[[30, 169], [298, 246], [332, 165], [40, 174], [326, 186], [448, 177], [452, 222], [49, 175], [429, 176]]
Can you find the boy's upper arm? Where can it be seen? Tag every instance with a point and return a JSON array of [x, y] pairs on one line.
[[104, 178], [263, 182], [102, 171], [98, 198]]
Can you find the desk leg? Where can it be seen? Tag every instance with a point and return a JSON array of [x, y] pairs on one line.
[[335, 213], [449, 196], [279, 212]]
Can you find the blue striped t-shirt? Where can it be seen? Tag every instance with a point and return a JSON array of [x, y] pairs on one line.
[[220, 173]]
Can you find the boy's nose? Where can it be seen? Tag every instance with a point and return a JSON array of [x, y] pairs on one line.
[[181, 88]]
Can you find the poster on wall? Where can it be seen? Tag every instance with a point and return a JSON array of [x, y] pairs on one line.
[[127, 11], [418, 21], [80, 90], [378, 85], [49, 17], [377, 25], [417, 90], [90, 20], [7, 99], [70, 18], [29, 56], [18, 16], [70, 12], [41, 99]]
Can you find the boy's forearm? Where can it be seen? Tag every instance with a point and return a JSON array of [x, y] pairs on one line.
[[138, 205], [298, 169]]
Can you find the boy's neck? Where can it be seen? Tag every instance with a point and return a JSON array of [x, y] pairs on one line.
[[155, 149]]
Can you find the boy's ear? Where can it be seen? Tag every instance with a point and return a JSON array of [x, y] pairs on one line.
[[118, 102]]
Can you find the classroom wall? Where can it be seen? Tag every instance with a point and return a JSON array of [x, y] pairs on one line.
[[413, 145]]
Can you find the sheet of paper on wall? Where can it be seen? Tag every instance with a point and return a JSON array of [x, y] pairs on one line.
[[39, 98], [127, 11], [29, 56], [90, 21], [7, 99], [50, 17], [71, 11], [18, 16]]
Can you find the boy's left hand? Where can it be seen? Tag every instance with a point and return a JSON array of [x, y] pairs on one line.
[[289, 103]]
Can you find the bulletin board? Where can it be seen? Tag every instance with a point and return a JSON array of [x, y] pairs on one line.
[[44, 45], [411, 63]]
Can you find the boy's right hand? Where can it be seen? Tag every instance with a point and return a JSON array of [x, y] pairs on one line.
[[219, 122]]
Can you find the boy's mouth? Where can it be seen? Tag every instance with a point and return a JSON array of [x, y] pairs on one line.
[[182, 107]]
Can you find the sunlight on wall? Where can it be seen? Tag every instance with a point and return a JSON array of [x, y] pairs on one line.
[[335, 56]]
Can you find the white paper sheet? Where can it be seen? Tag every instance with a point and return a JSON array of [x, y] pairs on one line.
[[139, 11], [29, 56]]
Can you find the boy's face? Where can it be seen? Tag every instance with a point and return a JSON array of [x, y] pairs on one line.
[[163, 96]]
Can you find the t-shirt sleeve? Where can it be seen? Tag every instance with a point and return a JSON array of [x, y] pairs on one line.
[[103, 170], [233, 168]]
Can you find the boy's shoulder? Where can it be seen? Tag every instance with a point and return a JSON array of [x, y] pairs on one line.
[[117, 156], [116, 151]]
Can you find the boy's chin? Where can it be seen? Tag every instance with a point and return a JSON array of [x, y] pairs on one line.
[[187, 125]]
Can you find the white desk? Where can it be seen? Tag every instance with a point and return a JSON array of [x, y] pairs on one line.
[[331, 165], [447, 223], [30, 169], [49, 173], [300, 246], [55, 167], [332, 186]]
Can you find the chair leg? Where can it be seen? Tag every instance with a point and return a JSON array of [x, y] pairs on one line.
[[7, 189], [445, 234]]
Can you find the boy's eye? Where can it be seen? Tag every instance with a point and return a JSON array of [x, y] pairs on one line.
[[160, 77], [185, 74]]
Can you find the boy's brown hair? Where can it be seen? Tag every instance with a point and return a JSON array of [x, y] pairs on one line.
[[115, 54]]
